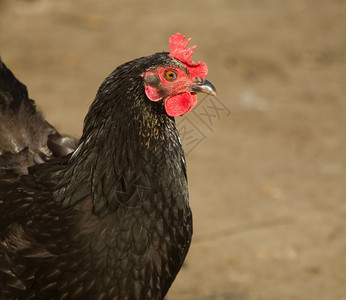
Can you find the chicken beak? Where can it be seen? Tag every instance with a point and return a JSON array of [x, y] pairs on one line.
[[203, 86]]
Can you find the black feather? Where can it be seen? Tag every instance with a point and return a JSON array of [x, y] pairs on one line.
[[111, 220], [25, 137]]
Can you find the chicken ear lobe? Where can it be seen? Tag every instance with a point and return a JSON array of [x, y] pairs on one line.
[[152, 93]]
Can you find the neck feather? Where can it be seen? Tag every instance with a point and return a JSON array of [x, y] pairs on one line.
[[129, 148]]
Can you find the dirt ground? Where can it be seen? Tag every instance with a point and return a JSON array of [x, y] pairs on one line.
[[266, 159]]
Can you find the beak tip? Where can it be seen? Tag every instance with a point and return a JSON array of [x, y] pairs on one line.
[[213, 92]]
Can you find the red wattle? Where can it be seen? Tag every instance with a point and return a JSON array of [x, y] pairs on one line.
[[180, 104]]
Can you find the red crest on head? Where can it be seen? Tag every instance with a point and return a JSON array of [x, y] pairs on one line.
[[179, 51]]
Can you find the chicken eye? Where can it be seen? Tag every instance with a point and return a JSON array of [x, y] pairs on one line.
[[170, 75]]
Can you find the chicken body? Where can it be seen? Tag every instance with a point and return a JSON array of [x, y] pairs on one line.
[[111, 220]]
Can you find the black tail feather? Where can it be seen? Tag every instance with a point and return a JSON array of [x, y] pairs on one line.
[[23, 127], [12, 92]]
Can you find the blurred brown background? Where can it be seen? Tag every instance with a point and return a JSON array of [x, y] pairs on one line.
[[268, 181]]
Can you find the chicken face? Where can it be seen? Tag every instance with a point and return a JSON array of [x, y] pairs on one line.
[[178, 84]]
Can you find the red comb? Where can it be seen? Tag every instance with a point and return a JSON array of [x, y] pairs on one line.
[[179, 51]]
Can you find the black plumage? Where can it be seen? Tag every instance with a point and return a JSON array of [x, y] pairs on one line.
[[107, 219]]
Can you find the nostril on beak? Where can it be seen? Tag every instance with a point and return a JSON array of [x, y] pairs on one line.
[[199, 80]]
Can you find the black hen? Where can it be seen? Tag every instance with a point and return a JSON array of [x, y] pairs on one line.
[[111, 220]]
